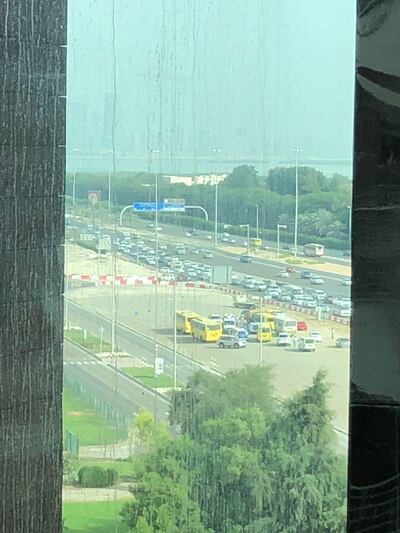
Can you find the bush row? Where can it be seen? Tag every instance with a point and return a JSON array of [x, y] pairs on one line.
[[96, 477]]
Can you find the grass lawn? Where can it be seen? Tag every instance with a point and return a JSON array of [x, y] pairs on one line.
[[124, 468], [89, 425], [93, 517], [91, 342], [146, 375]]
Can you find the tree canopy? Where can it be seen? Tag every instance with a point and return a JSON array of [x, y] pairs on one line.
[[242, 461]]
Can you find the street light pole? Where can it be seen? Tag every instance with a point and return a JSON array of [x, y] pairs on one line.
[[257, 221], [216, 151], [175, 339], [216, 215], [296, 150], [248, 236], [109, 192], [278, 227], [156, 236], [73, 190], [260, 355]]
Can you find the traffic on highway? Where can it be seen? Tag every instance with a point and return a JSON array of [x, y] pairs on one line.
[[324, 293]]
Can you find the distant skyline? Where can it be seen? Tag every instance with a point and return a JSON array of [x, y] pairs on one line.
[[251, 78]]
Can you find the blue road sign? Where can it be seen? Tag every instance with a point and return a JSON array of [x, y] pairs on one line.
[[160, 206]]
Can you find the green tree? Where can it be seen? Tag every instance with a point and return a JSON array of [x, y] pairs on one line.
[[243, 176]]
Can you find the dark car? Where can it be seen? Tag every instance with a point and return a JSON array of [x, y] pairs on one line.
[[245, 259], [306, 274], [346, 253]]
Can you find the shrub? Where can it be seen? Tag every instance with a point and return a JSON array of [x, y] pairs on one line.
[[96, 477]]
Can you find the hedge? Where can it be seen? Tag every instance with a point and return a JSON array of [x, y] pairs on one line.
[[96, 477]]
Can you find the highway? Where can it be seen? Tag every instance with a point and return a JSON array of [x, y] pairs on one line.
[[334, 256], [261, 268], [111, 386]]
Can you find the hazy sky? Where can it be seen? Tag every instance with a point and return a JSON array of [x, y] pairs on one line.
[[250, 77]]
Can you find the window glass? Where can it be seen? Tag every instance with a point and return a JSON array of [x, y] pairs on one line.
[[209, 181]]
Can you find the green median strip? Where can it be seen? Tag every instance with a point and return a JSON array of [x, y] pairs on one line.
[[91, 342], [147, 377]]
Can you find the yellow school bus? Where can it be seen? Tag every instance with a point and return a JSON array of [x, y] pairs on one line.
[[267, 317], [206, 330], [184, 321], [265, 333]]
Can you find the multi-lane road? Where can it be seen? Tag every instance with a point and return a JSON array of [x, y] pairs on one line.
[[260, 268]]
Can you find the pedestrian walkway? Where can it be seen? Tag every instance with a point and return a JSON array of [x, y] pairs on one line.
[[82, 494]]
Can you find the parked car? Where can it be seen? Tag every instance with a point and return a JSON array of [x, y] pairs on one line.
[[309, 303], [260, 286], [231, 341], [302, 325], [297, 301], [283, 339], [208, 255], [317, 281], [233, 241], [209, 237], [245, 259], [342, 342], [306, 344], [283, 297], [316, 335]]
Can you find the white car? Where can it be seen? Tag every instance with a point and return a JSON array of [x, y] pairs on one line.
[[244, 243], [162, 246], [233, 241], [316, 335], [188, 234], [265, 247], [283, 274], [209, 237], [346, 282], [317, 281], [208, 255], [297, 301]]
